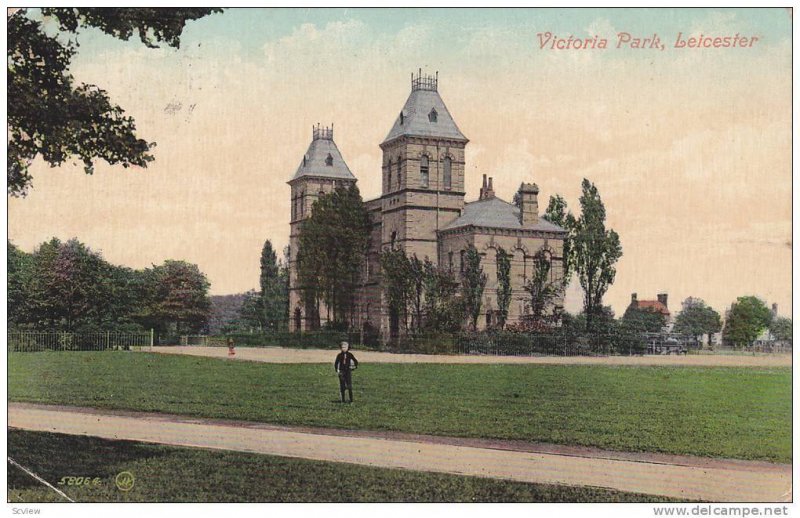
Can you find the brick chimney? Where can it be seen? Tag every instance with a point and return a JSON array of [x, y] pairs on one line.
[[529, 204], [486, 191], [662, 298]]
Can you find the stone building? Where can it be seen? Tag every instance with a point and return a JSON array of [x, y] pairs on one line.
[[422, 211]]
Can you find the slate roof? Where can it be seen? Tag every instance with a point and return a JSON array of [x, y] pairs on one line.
[[315, 164], [416, 121], [496, 213]]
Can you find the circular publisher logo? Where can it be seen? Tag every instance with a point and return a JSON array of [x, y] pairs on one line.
[[125, 480]]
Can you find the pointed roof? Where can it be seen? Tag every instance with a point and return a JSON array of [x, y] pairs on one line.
[[323, 158], [425, 114], [492, 212]]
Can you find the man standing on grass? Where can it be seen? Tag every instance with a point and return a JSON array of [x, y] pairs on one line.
[[345, 363]]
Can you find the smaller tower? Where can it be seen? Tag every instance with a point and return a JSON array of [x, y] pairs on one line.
[[322, 169]]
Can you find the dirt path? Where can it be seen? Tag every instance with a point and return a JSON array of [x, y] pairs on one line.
[[672, 476], [286, 355]]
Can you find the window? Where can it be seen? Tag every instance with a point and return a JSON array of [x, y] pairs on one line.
[[448, 172], [329, 160], [399, 174], [450, 261], [394, 238], [424, 170], [389, 182], [302, 209], [402, 118], [433, 115], [463, 254], [304, 160]]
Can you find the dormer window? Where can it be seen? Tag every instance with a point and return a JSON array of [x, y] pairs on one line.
[[329, 159], [402, 118], [432, 115], [304, 160]]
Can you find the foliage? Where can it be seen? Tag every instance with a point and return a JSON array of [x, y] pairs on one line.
[[720, 411], [473, 282], [558, 214], [224, 313], [543, 291], [416, 274], [595, 250], [644, 320], [52, 116], [781, 328], [747, 318], [274, 296], [697, 319], [444, 310], [332, 250], [396, 274], [18, 268], [503, 285], [176, 298]]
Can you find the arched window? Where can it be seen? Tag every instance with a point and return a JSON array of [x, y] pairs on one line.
[[389, 177], [329, 159], [424, 170], [432, 116], [463, 254], [402, 118], [448, 172], [394, 238], [302, 209], [450, 261]]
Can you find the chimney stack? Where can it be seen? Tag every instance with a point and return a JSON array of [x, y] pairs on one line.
[[529, 204], [483, 189], [662, 298]]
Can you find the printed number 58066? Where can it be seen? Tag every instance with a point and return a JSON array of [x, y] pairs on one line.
[[79, 481]]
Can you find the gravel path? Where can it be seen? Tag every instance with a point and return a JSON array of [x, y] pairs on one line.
[[668, 475], [286, 355]]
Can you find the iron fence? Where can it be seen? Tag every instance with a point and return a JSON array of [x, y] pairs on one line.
[[37, 341]]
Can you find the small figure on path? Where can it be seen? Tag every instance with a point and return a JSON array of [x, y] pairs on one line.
[[231, 350], [345, 363]]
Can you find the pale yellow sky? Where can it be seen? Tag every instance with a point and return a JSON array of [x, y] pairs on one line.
[[691, 150]]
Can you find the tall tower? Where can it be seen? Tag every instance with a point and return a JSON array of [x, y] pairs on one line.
[[321, 170], [423, 171]]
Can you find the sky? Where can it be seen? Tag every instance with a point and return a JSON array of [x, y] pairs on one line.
[[689, 148]]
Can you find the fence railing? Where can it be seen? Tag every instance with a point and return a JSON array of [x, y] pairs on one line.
[[37, 341]]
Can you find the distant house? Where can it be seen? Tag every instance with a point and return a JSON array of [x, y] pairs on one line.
[[659, 305]]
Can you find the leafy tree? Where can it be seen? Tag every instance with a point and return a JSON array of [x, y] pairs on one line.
[[542, 290], [52, 116], [18, 265], [274, 295], [503, 259], [396, 273], [443, 308], [176, 297], [781, 328], [416, 276], [332, 250], [595, 250], [697, 319], [473, 282], [252, 315], [69, 287], [558, 214], [747, 318], [644, 320]]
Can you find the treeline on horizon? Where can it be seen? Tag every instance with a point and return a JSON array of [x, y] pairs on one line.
[[67, 286]]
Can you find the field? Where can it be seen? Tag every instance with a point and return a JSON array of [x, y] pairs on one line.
[[194, 475], [721, 412]]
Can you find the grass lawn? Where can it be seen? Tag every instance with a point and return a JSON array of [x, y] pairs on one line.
[[169, 474], [721, 412]]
